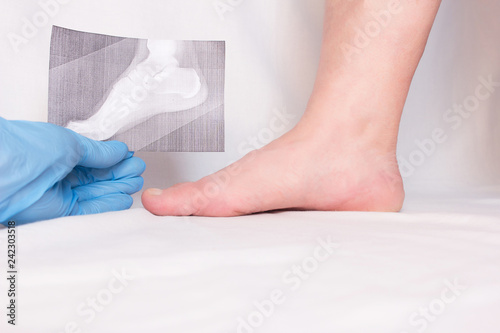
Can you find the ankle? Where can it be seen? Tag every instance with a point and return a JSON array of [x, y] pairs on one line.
[[359, 130]]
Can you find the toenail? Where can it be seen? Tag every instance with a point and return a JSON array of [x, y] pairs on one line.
[[155, 191]]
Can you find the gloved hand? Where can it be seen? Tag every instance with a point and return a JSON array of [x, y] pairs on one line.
[[47, 171]]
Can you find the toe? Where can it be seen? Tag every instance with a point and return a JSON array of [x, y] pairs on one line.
[[173, 201], [205, 197]]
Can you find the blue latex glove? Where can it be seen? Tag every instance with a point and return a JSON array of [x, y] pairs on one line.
[[47, 171]]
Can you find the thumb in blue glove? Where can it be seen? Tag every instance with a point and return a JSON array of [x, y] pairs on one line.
[[49, 171]]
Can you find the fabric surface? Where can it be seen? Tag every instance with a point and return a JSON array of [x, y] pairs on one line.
[[207, 274]]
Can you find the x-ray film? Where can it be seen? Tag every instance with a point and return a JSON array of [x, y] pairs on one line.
[[154, 95]]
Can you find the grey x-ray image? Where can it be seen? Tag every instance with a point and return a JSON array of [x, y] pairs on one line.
[[154, 95]]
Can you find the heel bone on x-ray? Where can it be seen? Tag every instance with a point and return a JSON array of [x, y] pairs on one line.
[[155, 95]]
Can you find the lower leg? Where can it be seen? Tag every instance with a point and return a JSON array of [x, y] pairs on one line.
[[342, 153]]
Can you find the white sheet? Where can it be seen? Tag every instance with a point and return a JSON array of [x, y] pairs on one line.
[[203, 274]]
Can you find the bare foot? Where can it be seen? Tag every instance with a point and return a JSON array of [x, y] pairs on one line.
[[299, 170], [342, 153]]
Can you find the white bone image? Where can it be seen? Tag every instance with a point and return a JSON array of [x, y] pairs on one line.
[[149, 87]]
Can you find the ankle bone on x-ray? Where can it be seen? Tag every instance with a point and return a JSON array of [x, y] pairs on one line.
[[137, 96]]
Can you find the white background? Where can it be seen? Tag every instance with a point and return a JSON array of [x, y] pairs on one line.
[[272, 54]]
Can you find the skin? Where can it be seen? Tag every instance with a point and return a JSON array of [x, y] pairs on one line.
[[342, 153]]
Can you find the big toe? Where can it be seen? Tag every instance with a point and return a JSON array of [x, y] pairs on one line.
[[173, 201]]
